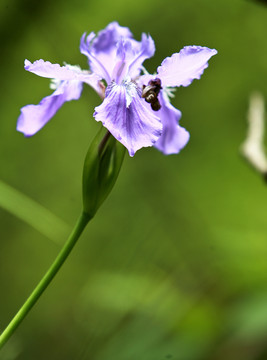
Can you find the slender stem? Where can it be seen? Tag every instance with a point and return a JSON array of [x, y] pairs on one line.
[[45, 281]]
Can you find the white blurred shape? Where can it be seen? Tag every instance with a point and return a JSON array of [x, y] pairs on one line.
[[253, 147]]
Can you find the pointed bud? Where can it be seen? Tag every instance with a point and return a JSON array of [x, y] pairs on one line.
[[101, 169]]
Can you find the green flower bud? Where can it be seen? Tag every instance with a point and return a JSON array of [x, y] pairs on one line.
[[101, 169]]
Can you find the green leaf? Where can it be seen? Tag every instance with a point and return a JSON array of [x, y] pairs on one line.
[[32, 213]]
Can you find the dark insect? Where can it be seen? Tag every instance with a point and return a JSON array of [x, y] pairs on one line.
[[151, 92]]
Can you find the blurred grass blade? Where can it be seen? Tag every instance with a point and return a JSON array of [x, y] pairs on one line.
[[32, 213]]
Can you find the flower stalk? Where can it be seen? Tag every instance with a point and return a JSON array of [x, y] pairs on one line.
[[101, 168], [46, 280]]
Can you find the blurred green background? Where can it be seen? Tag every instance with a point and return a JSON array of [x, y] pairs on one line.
[[174, 265]]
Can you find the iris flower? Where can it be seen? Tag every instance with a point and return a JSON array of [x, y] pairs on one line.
[[136, 108]]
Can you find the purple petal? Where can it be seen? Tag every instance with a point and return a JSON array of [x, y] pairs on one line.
[[101, 49], [68, 72], [124, 55], [100, 65], [146, 50], [128, 117], [52, 71], [114, 50], [182, 68], [130, 57], [34, 117], [107, 39], [174, 137]]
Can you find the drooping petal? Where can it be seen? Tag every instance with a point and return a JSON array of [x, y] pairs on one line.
[[53, 71], [174, 137], [129, 119], [67, 72], [34, 117], [182, 68]]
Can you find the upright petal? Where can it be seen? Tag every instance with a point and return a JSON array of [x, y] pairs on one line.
[[104, 51], [182, 68], [129, 119], [174, 137], [106, 40], [100, 65], [130, 57], [145, 51], [67, 72], [101, 49], [124, 55], [34, 117]]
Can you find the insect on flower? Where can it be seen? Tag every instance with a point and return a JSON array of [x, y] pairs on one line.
[[151, 92], [136, 108]]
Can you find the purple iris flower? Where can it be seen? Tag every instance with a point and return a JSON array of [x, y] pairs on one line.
[[136, 108]]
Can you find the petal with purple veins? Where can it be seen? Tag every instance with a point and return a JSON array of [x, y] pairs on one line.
[[105, 51], [130, 58], [124, 55], [107, 39], [174, 137], [182, 68], [128, 118], [34, 117], [146, 50], [101, 49], [100, 65]]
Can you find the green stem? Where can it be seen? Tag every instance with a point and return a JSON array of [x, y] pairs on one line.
[[45, 281]]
